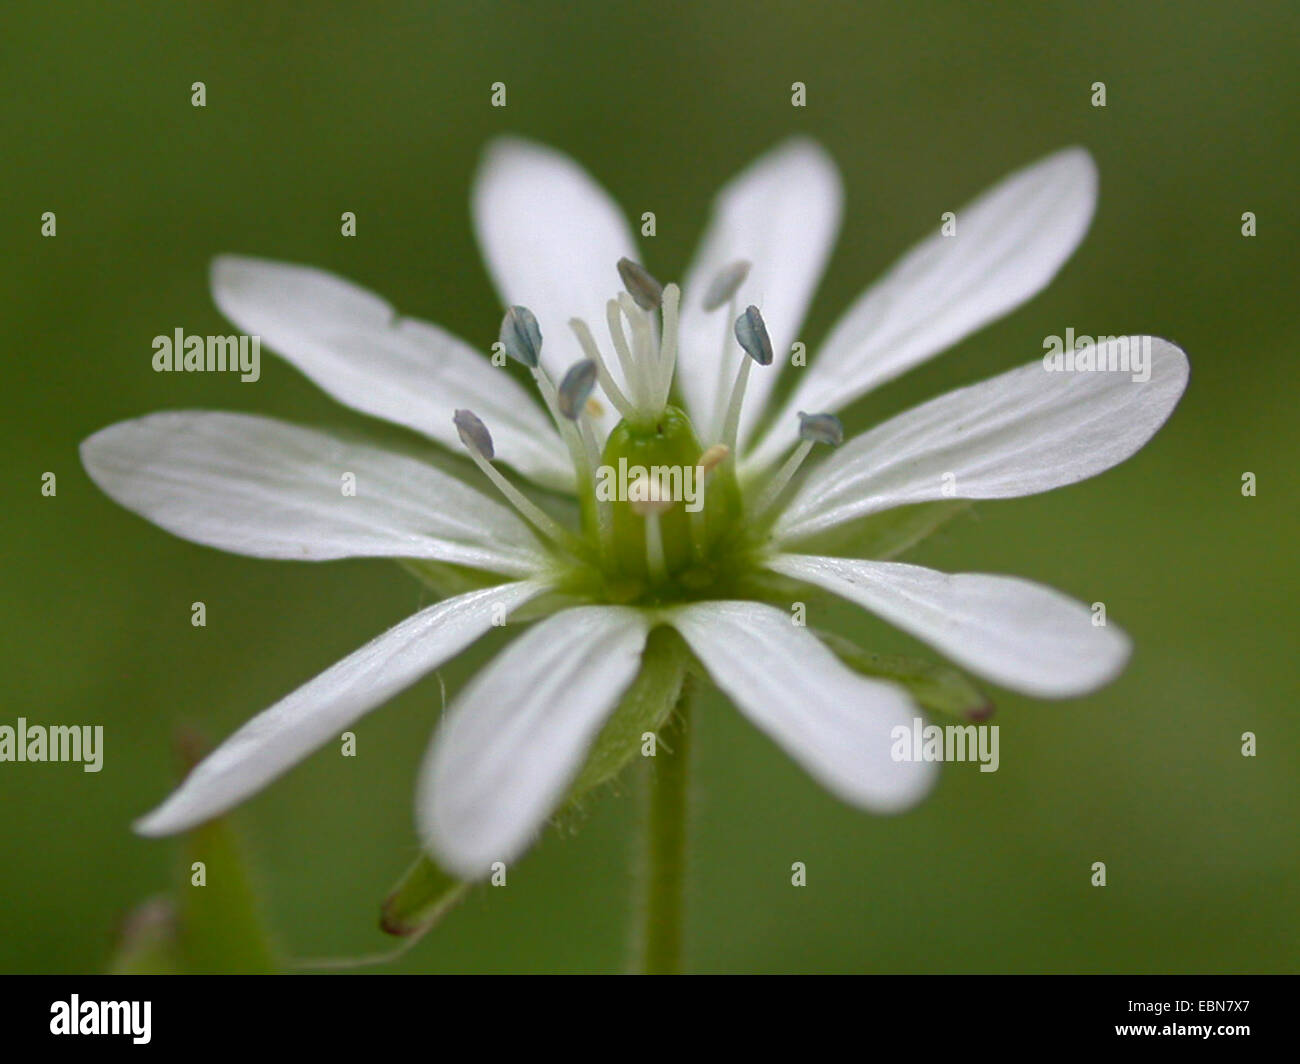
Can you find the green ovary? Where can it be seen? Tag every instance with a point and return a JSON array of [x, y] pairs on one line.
[[699, 548]]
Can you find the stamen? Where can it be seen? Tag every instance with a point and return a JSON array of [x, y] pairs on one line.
[[572, 401], [752, 336], [607, 384], [721, 392], [478, 442], [522, 339], [712, 458], [708, 461], [821, 428], [584, 457], [575, 388], [544, 385], [647, 292], [604, 507], [737, 271], [474, 434], [521, 336], [725, 284], [813, 429]]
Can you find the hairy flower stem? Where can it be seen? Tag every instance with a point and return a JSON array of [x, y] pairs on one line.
[[662, 908]]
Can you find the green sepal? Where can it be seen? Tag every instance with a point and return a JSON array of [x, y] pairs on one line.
[[884, 535], [446, 580], [420, 899], [935, 686], [221, 927], [645, 707]]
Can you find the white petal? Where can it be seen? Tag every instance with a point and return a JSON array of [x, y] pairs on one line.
[[1016, 633], [253, 485], [834, 722], [551, 238], [1009, 243], [1025, 431], [516, 738], [278, 738], [781, 215], [353, 346]]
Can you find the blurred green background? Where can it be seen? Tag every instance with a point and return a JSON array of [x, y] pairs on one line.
[[383, 110]]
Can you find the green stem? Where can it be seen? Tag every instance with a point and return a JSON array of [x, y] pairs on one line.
[[662, 902]]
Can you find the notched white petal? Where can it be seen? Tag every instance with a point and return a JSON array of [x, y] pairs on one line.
[[1013, 632], [768, 240], [514, 741], [256, 486], [353, 345], [834, 722], [551, 237], [1007, 245], [280, 737], [1024, 432]]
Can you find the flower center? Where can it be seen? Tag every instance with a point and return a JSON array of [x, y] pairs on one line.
[[663, 516]]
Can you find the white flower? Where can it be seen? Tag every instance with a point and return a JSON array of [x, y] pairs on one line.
[[515, 739]]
